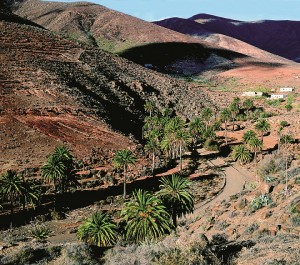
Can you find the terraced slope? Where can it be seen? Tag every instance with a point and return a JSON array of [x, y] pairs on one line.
[[53, 91]]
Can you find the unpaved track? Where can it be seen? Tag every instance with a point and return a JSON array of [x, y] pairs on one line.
[[235, 179]]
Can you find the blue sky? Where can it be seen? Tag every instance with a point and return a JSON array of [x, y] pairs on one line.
[[236, 9]]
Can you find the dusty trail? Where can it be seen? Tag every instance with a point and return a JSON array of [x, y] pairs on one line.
[[235, 178]]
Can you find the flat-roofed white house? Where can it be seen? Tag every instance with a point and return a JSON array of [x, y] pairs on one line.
[[252, 94], [286, 89], [277, 96]]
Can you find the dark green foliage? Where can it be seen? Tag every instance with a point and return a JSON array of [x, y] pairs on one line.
[[98, 229], [176, 195], [145, 217]]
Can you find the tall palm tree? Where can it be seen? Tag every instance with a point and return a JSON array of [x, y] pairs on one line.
[[196, 129], [234, 110], [248, 135], [63, 154], [262, 126], [149, 107], [153, 146], [176, 195], [241, 154], [206, 115], [54, 171], [255, 146], [59, 168], [248, 105], [98, 229], [123, 159], [31, 193], [11, 187], [145, 217], [225, 117], [182, 140]]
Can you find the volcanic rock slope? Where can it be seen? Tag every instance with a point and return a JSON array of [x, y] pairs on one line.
[[53, 91], [277, 37]]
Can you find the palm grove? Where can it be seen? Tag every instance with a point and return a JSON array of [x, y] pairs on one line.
[[145, 215]]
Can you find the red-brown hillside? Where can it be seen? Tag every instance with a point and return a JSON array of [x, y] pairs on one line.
[[53, 91]]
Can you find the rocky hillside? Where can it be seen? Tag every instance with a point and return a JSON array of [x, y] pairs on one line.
[[53, 91], [276, 37], [95, 24]]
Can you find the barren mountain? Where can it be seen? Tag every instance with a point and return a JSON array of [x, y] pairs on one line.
[[96, 24], [53, 90], [117, 32], [277, 37]]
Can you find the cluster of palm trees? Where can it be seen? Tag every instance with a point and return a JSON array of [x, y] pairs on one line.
[[170, 135], [145, 217], [251, 142], [20, 191]]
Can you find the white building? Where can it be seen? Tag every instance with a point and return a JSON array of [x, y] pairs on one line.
[[277, 96], [252, 94], [287, 89]]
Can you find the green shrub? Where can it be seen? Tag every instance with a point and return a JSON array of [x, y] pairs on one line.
[[211, 145], [40, 233], [261, 201]]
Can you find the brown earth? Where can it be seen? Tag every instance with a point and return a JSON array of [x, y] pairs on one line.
[[54, 91]]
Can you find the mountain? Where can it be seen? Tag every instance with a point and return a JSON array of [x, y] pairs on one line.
[[277, 37], [95, 24], [143, 42], [56, 91]]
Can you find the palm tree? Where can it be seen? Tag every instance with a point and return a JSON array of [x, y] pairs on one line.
[[53, 171], [169, 142], [176, 195], [248, 105], [153, 146], [145, 217], [31, 193], [123, 159], [98, 229], [241, 153], [11, 187], [196, 130], [206, 115], [182, 139], [59, 168], [225, 117], [248, 135], [255, 146], [262, 126], [149, 107], [63, 154], [234, 110]]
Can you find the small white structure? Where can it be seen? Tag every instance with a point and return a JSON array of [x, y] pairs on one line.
[[252, 94], [287, 89], [277, 96]]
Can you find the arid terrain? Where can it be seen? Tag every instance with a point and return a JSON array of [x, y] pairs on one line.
[[95, 80]]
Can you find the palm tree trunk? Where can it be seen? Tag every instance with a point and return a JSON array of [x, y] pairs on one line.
[[180, 155], [12, 209], [226, 133], [124, 183], [153, 161]]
